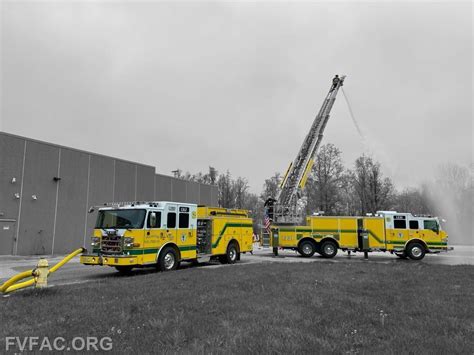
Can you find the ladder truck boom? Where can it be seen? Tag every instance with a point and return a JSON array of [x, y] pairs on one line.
[[299, 170]]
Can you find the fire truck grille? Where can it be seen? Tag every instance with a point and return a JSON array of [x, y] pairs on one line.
[[111, 244]]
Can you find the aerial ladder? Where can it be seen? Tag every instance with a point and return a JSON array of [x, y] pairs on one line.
[[284, 209]]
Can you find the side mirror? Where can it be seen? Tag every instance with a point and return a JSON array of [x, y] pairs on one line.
[[92, 209], [153, 220]]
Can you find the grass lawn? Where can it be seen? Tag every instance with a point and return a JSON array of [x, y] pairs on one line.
[[404, 307]]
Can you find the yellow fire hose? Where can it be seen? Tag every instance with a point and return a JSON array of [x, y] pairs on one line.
[[40, 274]]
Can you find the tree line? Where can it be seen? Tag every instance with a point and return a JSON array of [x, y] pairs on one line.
[[333, 189]]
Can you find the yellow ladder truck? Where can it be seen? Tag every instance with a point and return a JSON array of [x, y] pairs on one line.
[[161, 233], [402, 234]]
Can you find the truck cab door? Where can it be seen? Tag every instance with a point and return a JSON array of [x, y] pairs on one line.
[[154, 235], [170, 220], [186, 232]]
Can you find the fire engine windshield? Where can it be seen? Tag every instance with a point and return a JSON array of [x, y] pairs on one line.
[[127, 219]]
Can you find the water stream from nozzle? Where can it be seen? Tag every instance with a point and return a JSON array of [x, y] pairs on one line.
[[371, 146], [353, 117]]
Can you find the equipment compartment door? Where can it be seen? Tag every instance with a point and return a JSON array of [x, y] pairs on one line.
[[204, 235], [362, 235]]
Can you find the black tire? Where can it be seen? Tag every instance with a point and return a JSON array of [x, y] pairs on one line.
[[231, 255], [401, 255], [328, 249], [124, 270], [415, 251], [168, 259], [307, 248]]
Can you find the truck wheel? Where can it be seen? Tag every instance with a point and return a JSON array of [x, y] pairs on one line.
[[307, 248], [124, 270], [415, 251], [168, 259], [328, 249], [231, 256], [401, 255]]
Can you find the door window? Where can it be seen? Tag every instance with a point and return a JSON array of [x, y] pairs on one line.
[[431, 224], [184, 220], [171, 220], [414, 225], [154, 219], [399, 224]]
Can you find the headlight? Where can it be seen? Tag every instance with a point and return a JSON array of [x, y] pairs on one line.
[[95, 241], [128, 242]]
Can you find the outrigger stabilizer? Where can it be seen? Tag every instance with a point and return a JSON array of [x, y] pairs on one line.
[[39, 274]]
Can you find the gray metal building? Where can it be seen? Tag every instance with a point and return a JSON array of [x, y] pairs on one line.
[[46, 191]]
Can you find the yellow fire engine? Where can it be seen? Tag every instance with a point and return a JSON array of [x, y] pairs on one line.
[[165, 233], [403, 234]]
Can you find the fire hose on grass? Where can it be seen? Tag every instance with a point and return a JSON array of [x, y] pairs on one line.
[[39, 274]]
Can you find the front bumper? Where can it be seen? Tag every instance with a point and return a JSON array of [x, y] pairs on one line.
[[111, 260]]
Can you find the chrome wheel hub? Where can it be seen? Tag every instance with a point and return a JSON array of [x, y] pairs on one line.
[[307, 249], [232, 254], [416, 251], [169, 261], [329, 249]]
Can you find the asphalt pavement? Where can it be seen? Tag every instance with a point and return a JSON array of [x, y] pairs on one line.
[[74, 272]]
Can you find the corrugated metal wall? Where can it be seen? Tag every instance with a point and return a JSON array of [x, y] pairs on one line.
[[43, 215]]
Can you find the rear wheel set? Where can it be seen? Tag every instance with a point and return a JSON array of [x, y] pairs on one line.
[[307, 248], [328, 249]]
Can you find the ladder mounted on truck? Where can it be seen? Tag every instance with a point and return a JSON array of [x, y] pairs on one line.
[[284, 209]]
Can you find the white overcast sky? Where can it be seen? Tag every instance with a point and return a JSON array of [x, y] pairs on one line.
[[236, 85]]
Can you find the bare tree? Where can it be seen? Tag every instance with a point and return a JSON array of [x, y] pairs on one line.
[[324, 187], [412, 200], [240, 192], [226, 196], [349, 199], [270, 187], [373, 191]]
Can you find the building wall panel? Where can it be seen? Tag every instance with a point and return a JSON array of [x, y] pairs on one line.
[[179, 190], [214, 196], [37, 215], [124, 186], [11, 164], [145, 183], [205, 195], [101, 188], [72, 201], [164, 187], [192, 192]]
